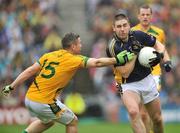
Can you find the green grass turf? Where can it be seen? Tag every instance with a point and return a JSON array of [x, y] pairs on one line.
[[97, 127]]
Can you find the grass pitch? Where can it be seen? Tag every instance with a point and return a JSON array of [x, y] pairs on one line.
[[93, 127]]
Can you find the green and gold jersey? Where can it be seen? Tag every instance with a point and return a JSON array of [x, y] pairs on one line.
[[57, 69], [160, 36]]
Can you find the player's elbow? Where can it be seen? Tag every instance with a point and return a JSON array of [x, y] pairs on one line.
[[98, 64], [93, 62], [159, 46]]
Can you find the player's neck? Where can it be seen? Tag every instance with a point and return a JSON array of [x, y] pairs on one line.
[[125, 39], [69, 50], [145, 27]]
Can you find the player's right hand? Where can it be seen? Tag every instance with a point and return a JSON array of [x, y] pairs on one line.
[[6, 90], [154, 61], [123, 57]]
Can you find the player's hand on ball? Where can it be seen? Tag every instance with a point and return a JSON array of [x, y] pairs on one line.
[[6, 90], [124, 57], [136, 47], [154, 61]]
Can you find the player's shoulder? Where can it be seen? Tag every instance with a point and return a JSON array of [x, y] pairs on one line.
[[157, 29], [53, 54], [112, 42], [111, 48], [137, 33], [136, 27]]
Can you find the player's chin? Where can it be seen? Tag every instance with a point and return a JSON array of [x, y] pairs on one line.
[[145, 23], [78, 52], [123, 37]]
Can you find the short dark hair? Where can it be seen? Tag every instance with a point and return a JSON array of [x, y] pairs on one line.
[[120, 14], [68, 39], [145, 6]]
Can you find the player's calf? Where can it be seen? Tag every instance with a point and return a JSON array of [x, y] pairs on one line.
[[72, 127], [157, 123]]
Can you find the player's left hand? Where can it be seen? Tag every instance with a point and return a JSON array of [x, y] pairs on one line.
[[6, 90], [167, 66], [154, 61]]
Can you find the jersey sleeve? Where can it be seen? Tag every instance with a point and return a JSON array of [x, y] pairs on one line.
[[163, 38], [110, 50], [85, 59], [82, 60], [42, 60]]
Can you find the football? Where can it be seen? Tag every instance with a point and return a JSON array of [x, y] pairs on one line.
[[145, 54]]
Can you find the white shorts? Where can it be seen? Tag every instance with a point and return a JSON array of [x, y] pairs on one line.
[[44, 112], [146, 88]]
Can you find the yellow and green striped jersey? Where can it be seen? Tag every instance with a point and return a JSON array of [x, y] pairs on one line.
[[160, 36], [57, 69]]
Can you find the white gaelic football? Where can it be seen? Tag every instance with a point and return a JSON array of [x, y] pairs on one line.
[[145, 54]]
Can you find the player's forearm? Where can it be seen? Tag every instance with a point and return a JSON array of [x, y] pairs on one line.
[[105, 62], [127, 68], [162, 49], [26, 74], [166, 56]]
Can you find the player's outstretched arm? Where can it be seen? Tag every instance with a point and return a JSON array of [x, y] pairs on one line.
[[26, 74], [122, 58]]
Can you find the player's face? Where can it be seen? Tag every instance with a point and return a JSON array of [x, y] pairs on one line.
[[145, 16], [121, 28], [77, 46]]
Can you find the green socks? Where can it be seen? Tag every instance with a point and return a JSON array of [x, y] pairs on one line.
[[24, 131]]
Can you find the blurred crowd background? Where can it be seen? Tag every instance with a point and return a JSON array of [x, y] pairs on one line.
[[29, 28]]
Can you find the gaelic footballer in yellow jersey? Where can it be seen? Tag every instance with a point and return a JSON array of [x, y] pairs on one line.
[[53, 71], [57, 68], [152, 30]]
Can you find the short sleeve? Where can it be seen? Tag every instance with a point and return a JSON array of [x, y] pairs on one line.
[[163, 37], [42, 60], [110, 50], [108, 53], [85, 59], [82, 60]]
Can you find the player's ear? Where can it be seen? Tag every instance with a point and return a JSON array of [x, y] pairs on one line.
[[139, 17], [72, 46]]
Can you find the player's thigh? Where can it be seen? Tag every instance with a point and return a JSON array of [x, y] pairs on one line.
[[65, 115], [143, 111], [154, 108], [131, 100], [50, 112]]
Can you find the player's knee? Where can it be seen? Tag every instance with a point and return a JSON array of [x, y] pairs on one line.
[[134, 113], [144, 115], [74, 121]]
